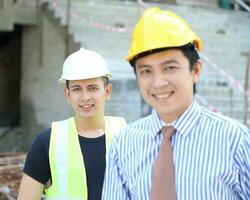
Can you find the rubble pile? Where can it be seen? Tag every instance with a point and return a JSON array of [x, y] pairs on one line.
[[11, 165]]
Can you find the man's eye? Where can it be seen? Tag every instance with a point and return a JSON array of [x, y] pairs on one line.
[[93, 89], [170, 68], [145, 72], [76, 89]]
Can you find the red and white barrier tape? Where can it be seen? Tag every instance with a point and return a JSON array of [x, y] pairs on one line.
[[99, 25], [205, 103], [235, 83]]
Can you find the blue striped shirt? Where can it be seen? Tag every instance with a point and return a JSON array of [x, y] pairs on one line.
[[211, 158]]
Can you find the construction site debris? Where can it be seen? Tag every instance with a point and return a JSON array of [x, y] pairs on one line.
[[11, 165]]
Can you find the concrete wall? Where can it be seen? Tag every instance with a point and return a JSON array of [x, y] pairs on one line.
[[43, 52], [125, 100]]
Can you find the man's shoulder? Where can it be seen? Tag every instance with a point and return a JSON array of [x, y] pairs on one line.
[[134, 132], [138, 126], [43, 136], [116, 119], [63, 121], [222, 120]]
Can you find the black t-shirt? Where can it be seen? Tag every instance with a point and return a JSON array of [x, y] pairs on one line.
[[93, 150]]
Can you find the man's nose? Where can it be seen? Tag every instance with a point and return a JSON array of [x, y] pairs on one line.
[[160, 81], [85, 96]]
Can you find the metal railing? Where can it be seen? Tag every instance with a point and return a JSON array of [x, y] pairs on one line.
[[243, 4]]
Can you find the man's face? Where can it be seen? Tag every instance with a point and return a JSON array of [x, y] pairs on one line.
[[166, 82], [87, 97]]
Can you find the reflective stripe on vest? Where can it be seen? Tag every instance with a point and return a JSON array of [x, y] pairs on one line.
[[66, 159]]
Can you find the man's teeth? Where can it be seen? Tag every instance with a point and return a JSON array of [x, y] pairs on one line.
[[162, 96], [86, 106]]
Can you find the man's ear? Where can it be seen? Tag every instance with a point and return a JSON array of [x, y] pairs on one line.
[[197, 71], [108, 91], [66, 93]]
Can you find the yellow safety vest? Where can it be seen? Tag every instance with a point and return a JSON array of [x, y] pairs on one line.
[[66, 159]]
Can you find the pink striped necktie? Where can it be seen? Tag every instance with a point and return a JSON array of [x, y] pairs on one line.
[[163, 180]]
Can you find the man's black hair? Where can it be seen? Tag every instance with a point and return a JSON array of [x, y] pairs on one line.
[[189, 51]]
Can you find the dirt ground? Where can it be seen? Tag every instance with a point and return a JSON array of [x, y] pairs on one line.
[[11, 165]]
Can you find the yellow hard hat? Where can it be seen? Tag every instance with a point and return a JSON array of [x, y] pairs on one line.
[[161, 29]]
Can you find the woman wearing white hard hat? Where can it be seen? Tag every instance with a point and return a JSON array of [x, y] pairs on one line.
[[69, 158]]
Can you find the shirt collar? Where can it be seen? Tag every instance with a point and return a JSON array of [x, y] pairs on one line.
[[183, 124]]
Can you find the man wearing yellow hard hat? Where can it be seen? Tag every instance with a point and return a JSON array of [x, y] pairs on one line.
[[71, 155], [182, 150]]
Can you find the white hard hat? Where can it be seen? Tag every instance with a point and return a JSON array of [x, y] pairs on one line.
[[84, 64]]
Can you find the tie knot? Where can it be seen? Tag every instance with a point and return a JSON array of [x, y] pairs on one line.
[[168, 131]]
